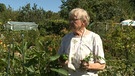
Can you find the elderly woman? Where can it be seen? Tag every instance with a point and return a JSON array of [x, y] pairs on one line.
[[80, 44]]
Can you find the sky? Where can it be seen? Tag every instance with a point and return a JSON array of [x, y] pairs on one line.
[[52, 5]]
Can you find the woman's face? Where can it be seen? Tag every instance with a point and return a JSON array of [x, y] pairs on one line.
[[75, 23]]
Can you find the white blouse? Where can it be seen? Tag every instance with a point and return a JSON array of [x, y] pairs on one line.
[[80, 47]]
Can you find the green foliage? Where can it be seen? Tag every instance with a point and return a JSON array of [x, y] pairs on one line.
[[30, 58], [63, 58], [119, 50], [29, 53], [2, 7], [61, 71], [86, 59], [33, 53], [57, 27], [118, 42], [100, 10]]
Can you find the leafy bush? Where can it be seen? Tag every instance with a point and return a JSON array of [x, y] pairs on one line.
[[119, 51], [57, 27], [29, 53]]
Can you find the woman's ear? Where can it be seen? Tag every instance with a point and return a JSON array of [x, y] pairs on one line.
[[84, 22]]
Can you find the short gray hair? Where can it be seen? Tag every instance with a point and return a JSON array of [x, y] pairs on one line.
[[80, 14]]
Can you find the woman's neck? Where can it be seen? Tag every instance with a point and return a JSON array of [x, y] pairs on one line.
[[80, 32]]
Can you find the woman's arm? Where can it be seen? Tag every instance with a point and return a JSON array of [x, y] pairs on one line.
[[94, 66]]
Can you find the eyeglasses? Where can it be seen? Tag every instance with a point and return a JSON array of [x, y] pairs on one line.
[[73, 20]]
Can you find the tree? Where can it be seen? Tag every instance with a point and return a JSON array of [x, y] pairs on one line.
[[24, 13], [2, 7], [70, 4], [8, 14], [102, 10]]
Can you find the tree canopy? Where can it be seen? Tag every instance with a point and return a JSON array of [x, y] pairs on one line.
[[101, 10]]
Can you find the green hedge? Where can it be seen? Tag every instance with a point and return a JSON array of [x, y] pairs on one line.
[[57, 27]]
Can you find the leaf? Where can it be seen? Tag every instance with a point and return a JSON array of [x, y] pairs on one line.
[[65, 57], [3, 62], [30, 62], [60, 71], [53, 58], [25, 45], [31, 69]]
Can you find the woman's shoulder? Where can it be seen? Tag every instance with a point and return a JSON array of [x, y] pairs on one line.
[[93, 34], [96, 37], [68, 36]]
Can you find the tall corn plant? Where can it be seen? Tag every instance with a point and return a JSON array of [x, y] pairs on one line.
[[26, 58]]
